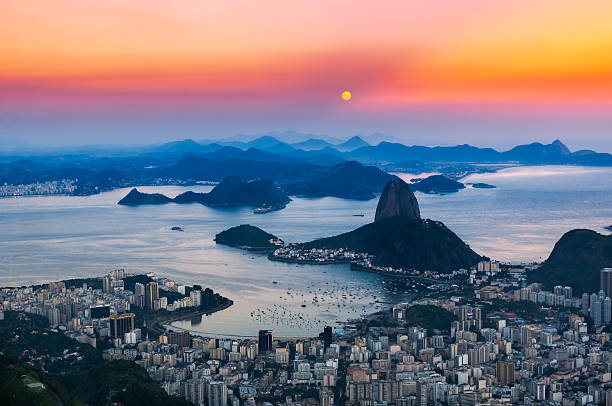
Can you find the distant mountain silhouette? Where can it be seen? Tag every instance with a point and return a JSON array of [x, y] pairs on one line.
[[349, 180], [232, 191], [437, 184], [352, 144]]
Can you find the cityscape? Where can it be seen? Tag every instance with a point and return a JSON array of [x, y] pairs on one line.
[[322, 203]]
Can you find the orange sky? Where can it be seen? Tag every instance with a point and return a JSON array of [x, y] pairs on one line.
[[395, 56]]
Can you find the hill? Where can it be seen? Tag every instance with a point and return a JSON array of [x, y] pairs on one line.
[[430, 317], [232, 191], [77, 374], [134, 197], [437, 184], [576, 261], [349, 180], [404, 242], [16, 375], [248, 237]]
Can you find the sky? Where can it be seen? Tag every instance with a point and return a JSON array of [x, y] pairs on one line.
[[490, 73]]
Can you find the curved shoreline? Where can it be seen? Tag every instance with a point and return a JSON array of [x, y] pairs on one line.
[[160, 325]]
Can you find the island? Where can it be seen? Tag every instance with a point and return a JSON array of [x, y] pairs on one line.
[[437, 184], [249, 237], [482, 186], [398, 242], [262, 194], [609, 228]]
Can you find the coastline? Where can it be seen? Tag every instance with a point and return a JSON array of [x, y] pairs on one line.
[[159, 324]]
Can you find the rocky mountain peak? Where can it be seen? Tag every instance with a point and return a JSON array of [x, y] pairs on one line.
[[397, 199]]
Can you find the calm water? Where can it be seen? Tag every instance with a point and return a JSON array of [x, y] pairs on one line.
[[59, 237]]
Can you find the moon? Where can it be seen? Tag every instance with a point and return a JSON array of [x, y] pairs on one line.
[[346, 95]]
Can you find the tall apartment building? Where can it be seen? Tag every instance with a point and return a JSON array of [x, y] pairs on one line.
[[121, 323], [266, 337], [151, 294], [505, 372], [605, 281]]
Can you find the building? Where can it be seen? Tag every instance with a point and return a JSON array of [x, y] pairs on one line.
[[605, 281], [196, 298], [107, 285], [327, 337], [151, 294], [505, 372], [121, 324], [99, 312], [182, 339], [217, 393], [266, 337]]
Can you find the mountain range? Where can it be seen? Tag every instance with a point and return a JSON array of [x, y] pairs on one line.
[[308, 167]]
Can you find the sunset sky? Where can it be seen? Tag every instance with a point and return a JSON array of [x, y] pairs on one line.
[[491, 73]]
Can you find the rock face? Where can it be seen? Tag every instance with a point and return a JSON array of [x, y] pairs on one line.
[[397, 200]]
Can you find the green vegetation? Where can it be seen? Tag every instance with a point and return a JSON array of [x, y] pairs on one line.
[[430, 317], [525, 309], [16, 374], [246, 236], [130, 384], [403, 242], [576, 261], [80, 370], [129, 282]]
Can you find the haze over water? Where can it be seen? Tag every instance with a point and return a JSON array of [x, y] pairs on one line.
[[60, 237]]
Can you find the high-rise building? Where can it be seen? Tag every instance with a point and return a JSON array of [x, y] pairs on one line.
[[266, 337], [505, 372], [605, 281], [121, 324], [182, 339], [151, 293], [196, 297], [327, 336], [107, 284], [607, 310], [596, 309], [217, 393]]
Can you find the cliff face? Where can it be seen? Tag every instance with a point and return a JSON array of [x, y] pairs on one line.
[[397, 200]]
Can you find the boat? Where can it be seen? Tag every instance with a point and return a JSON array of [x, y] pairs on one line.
[[358, 215]]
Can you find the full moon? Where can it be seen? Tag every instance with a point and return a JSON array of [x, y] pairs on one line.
[[346, 95]]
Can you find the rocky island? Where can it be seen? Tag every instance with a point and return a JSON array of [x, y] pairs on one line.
[[482, 185], [398, 238], [233, 191], [248, 237], [437, 184]]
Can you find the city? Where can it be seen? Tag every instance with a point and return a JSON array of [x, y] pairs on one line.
[[492, 341]]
